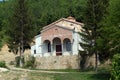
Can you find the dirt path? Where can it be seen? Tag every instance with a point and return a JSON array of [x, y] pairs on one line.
[[28, 70], [23, 75]]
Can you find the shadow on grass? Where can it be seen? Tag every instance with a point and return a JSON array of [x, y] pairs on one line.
[[82, 76], [100, 76]]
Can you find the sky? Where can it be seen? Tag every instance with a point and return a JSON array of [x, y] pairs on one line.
[[2, 0]]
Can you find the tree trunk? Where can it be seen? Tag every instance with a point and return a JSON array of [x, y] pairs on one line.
[[21, 44], [95, 49], [21, 54], [96, 61]]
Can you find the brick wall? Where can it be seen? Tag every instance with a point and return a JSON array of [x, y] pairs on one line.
[[56, 32]]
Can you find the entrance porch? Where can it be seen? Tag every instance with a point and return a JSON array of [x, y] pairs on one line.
[[57, 47]]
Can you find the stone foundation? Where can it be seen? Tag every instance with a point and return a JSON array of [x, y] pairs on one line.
[[58, 62]]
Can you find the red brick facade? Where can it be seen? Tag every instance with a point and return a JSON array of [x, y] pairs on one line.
[[55, 31]]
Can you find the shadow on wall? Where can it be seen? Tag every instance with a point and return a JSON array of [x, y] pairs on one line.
[[86, 62]]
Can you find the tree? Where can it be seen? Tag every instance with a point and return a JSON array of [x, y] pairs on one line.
[[43, 12], [5, 11], [1, 23], [53, 9], [86, 44], [94, 13], [115, 71], [48, 11], [21, 31], [110, 32]]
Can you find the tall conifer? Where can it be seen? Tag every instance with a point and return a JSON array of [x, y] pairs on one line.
[[95, 11], [21, 28]]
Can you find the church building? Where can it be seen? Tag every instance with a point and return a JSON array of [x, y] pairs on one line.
[[58, 38]]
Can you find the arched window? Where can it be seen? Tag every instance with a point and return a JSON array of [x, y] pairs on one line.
[[67, 45], [47, 46], [34, 51]]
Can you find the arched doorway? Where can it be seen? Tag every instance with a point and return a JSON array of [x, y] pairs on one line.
[[57, 46]]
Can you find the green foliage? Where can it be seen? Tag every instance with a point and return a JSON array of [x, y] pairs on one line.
[[109, 40], [47, 11], [3, 64], [19, 30], [17, 61], [39, 14], [115, 73], [94, 13], [30, 63]]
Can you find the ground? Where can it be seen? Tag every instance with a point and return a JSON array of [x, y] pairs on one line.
[[25, 74]]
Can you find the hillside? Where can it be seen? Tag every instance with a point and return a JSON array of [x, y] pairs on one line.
[[8, 56]]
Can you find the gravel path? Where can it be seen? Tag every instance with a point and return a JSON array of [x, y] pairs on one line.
[[3, 69], [42, 71]]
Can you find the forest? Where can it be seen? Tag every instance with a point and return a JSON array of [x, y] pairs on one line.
[[102, 17], [43, 12]]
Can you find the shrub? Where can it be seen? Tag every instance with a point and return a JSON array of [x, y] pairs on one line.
[[17, 60], [12, 63], [30, 63], [115, 72], [3, 64]]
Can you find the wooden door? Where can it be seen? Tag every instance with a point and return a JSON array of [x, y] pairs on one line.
[[58, 50]]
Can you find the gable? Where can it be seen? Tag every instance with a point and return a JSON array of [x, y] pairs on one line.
[[60, 26], [65, 23], [56, 31]]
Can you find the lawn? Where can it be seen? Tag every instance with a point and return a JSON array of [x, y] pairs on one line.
[[36, 75], [81, 76]]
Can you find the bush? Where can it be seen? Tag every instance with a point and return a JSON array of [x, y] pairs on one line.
[[115, 72], [12, 63], [17, 61], [30, 63], [3, 64]]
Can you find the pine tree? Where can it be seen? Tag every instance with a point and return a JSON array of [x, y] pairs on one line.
[[86, 44], [110, 32], [21, 30], [1, 23], [95, 11]]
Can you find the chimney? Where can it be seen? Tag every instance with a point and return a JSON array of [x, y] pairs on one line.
[[70, 18]]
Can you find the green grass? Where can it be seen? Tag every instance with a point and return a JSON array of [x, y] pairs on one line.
[[59, 70], [104, 69], [17, 75], [81, 76], [76, 74], [73, 76]]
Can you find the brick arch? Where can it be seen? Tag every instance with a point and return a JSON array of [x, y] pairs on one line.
[[43, 40], [57, 45], [46, 40], [47, 46], [68, 39], [67, 45], [57, 38]]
